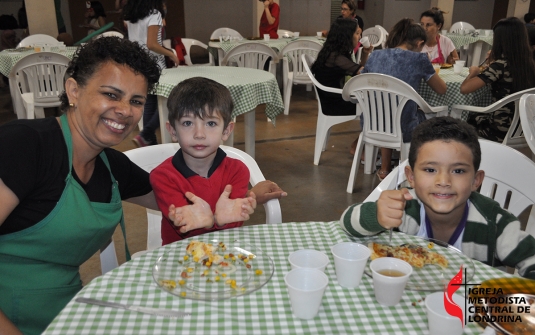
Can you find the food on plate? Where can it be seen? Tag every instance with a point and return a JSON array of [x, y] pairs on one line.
[[413, 254], [446, 66]]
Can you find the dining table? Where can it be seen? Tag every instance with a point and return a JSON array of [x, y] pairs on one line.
[[478, 45], [248, 88], [265, 310], [482, 97]]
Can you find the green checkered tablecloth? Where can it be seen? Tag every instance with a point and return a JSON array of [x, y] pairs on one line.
[[248, 87], [460, 40], [265, 311], [9, 57], [453, 96]]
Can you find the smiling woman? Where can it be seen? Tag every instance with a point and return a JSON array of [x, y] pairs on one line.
[[61, 184]]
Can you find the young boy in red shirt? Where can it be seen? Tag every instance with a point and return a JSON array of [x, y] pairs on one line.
[[200, 188]]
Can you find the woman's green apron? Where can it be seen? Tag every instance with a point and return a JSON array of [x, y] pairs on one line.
[[39, 265]]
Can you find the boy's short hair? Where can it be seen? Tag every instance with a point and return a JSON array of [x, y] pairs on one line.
[[199, 96], [446, 129]]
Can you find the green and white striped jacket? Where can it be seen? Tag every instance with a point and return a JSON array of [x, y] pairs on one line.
[[492, 235]]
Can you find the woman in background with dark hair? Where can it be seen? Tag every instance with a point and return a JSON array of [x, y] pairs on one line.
[[144, 21], [402, 59], [511, 69], [95, 17], [439, 48]]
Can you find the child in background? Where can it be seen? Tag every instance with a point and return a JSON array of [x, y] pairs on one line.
[[443, 203], [200, 188], [94, 17]]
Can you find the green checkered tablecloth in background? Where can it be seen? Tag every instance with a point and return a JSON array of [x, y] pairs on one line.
[[9, 57], [265, 311], [248, 87], [460, 40], [453, 96]]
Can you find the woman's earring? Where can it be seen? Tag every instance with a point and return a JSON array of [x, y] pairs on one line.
[[71, 105]]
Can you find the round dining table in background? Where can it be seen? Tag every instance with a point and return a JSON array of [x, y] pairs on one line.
[[9, 57], [264, 311], [248, 88], [478, 45]]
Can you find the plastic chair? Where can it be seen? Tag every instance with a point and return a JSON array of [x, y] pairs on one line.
[[111, 33], [527, 120], [375, 36], [505, 179], [325, 122], [459, 26], [188, 42], [385, 34], [291, 58], [252, 55], [381, 99], [225, 32], [515, 136], [37, 38], [149, 157], [36, 81], [284, 33]]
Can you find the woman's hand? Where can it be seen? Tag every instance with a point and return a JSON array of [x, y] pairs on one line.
[[232, 210], [367, 50], [194, 216]]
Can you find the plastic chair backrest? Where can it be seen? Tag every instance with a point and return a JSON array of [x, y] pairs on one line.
[[150, 157], [224, 32], [293, 51], [42, 74], [385, 35], [307, 63], [375, 36], [188, 42], [111, 33], [252, 55], [527, 119], [458, 26], [37, 38]]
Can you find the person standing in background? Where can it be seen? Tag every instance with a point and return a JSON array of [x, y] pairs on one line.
[[269, 22], [144, 21]]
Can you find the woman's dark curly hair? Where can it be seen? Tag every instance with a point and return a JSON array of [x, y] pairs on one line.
[[135, 10], [339, 41], [90, 57]]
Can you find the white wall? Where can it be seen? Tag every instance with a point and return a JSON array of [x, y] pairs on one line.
[[373, 13], [397, 10], [305, 16], [10, 7], [466, 11]]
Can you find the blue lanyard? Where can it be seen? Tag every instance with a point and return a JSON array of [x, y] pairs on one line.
[[457, 231]]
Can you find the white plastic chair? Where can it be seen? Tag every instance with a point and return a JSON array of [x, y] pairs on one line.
[[375, 35], [149, 157], [252, 55], [37, 38], [457, 27], [325, 122], [291, 59], [188, 43], [527, 120], [111, 33], [385, 35], [505, 179], [515, 136], [36, 81], [225, 32], [285, 33], [381, 99]]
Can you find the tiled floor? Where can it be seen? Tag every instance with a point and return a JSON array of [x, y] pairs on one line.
[[285, 154]]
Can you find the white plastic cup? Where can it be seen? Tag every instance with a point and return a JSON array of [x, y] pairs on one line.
[[444, 31], [307, 258], [365, 41], [439, 321], [457, 68], [220, 39], [436, 66], [296, 34], [349, 261], [266, 37], [306, 288], [319, 33], [388, 289], [460, 62]]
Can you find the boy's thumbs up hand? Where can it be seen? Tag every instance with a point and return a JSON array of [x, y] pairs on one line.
[[390, 207]]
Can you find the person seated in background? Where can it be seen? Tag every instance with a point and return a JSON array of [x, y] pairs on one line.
[[531, 38], [439, 48], [94, 17], [269, 22], [66, 38], [443, 204], [529, 18], [348, 10], [200, 175], [402, 59], [511, 69]]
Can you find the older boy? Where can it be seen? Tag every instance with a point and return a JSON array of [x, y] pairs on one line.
[[200, 188], [443, 203]]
